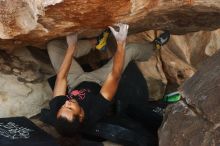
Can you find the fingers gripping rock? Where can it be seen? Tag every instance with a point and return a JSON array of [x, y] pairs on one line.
[[71, 39], [120, 35]]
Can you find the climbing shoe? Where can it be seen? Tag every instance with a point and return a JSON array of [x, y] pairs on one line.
[[172, 97], [162, 39], [102, 40]]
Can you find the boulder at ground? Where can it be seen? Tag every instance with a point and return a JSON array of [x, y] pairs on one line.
[[195, 120]]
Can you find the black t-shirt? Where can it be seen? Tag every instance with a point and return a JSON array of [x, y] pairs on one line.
[[132, 89], [89, 98]]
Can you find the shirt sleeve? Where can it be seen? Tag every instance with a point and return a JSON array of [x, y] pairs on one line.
[[56, 103]]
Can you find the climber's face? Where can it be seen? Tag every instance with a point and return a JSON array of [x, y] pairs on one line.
[[70, 110]]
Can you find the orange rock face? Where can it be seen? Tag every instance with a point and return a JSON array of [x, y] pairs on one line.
[[31, 22]]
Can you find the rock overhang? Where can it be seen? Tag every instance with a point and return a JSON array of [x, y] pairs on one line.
[[34, 23]]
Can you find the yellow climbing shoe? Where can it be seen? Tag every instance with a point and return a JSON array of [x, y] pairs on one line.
[[158, 46], [102, 40]]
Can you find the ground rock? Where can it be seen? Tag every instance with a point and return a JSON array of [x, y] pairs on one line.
[[24, 88], [195, 120]]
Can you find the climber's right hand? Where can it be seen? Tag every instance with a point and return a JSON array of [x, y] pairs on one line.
[[120, 35]]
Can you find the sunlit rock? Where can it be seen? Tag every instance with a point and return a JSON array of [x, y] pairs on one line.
[[34, 22], [24, 88]]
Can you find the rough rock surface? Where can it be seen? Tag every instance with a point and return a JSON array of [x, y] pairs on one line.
[[34, 22], [196, 119], [24, 89], [178, 59]]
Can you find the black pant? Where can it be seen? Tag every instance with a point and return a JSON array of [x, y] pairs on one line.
[[132, 99]]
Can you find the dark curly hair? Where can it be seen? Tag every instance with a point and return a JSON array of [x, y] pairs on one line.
[[67, 128]]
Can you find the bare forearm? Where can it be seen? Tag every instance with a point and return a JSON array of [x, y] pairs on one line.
[[61, 81], [65, 66], [110, 85], [118, 61]]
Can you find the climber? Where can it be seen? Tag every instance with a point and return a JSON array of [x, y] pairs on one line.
[[82, 98]]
